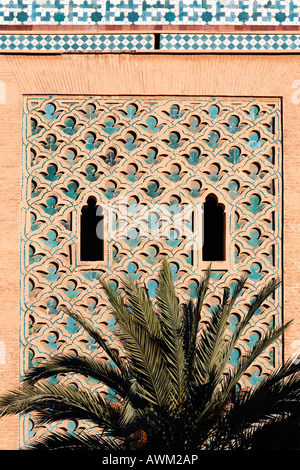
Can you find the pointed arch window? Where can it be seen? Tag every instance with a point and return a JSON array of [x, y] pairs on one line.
[[91, 232], [214, 230]]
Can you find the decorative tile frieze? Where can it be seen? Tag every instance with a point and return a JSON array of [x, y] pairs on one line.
[[230, 42], [76, 42], [145, 42], [135, 12]]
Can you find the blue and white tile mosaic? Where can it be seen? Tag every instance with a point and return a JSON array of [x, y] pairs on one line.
[[230, 42], [21, 13], [76, 42], [150, 12], [145, 42]]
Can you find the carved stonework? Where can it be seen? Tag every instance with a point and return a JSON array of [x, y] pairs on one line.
[[150, 163]]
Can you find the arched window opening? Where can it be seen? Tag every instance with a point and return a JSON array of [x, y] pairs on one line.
[[214, 231], [91, 232]]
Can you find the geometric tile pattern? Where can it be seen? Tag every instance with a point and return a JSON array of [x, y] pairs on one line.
[[230, 42], [145, 42], [258, 12], [150, 163], [78, 42]]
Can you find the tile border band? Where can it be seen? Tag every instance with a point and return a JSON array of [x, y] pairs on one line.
[[143, 42], [136, 12], [214, 28]]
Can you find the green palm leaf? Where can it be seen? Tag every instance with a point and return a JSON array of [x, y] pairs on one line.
[[174, 387], [169, 311], [112, 353], [141, 307], [147, 362], [282, 433], [278, 393], [190, 323], [263, 294], [144, 351], [232, 379], [86, 366], [69, 441], [79, 403]]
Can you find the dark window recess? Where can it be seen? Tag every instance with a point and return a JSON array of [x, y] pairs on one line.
[[91, 232], [214, 231]]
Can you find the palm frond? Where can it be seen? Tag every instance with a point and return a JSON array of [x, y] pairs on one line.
[[143, 350], [141, 306], [117, 302], [258, 409], [173, 382], [169, 310], [190, 322], [232, 379], [69, 441], [112, 353], [282, 433], [147, 362], [278, 394], [86, 366], [202, 290], [189, 328], [266, 291], [39, 397], [221, 344], [210, 343]]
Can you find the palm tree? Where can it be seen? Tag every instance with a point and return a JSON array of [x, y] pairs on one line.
[[174, 389]]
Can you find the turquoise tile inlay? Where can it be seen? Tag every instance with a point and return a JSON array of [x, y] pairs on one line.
[[145, 42], [135, 12], [230, 42], [73, 43]]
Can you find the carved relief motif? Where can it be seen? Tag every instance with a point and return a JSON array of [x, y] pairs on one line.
[[150, 164]]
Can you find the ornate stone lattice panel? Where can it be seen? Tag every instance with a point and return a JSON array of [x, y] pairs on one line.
[[150, 163]]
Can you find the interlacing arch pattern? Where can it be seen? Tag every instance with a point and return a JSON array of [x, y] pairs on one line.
[[150, 163]]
